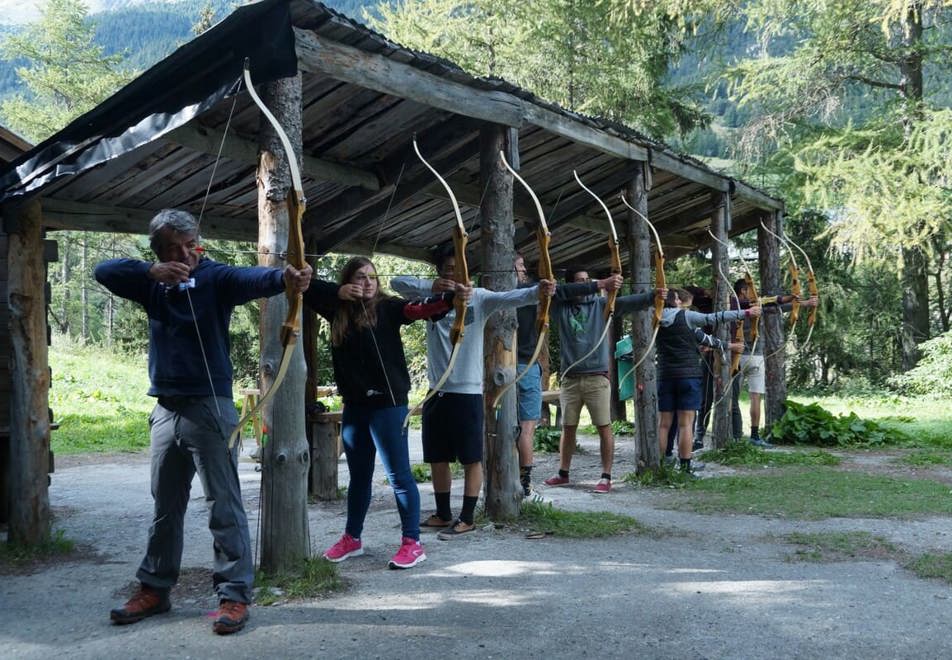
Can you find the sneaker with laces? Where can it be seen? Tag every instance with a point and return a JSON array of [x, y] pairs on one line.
[[345, 548], [556, 480], [603, 487], [759, 442], [231, 617], [532, 495], [144, 603], [409, 555]]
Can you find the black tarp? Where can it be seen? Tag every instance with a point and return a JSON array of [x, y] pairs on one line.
[[191, 80]]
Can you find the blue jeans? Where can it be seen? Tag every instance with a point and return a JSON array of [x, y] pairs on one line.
[[364, 432]]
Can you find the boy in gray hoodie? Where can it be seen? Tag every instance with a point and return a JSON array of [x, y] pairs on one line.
[[586, 366]]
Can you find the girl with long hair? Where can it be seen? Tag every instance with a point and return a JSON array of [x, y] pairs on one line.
[[370, 370]]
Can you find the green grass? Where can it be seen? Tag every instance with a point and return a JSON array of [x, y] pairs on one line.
[[840, 546], [926, 458], [317, 578], [848, 546], [17, 556], [98, 399], [817, 493], [932, 566], [666, 476], [422, 474], [747, 455], [543, 518]]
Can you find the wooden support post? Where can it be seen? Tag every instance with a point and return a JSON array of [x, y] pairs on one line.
[[640, 244], [503, 492], [286, 456], [324, 455], [771, 324], [722, 397], [30, 377]]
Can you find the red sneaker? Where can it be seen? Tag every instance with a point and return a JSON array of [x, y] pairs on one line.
[[603, 487], [345, 548], [409, 555], [144, 602], [557, 480]]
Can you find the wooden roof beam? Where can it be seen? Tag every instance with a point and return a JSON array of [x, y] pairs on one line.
[[358, 219], [67, 214], [320, 55], [209, 140]]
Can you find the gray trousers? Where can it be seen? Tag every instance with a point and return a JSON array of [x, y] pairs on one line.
[[189, 435]]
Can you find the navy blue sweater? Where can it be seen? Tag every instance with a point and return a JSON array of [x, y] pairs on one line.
[[176, 366]]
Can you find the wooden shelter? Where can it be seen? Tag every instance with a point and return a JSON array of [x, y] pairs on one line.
[[155, 144]]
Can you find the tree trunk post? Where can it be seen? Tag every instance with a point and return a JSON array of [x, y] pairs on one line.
[[640, 243], [771, 324], [30, 377], [503, 492], [285, 458], [722, 395]]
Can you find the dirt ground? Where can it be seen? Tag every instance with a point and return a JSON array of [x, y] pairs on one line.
[[693, 586]]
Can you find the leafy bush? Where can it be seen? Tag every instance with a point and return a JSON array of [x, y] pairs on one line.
[[813, 425], [546, 439], [933, 375]]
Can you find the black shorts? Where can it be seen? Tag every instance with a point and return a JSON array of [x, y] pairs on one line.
[[453, 428]]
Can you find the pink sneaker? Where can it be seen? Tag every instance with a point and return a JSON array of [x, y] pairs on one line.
[[557, 480], [409, 555], [345, 548], [603, 487]]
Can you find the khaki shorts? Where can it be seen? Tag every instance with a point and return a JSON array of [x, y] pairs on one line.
[[594, 391], [752, 368]]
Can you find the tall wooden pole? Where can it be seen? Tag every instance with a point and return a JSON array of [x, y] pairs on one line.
[[772, 324], [503, 492], [722, 397], [30, 377], [640, 243], [285, 457]]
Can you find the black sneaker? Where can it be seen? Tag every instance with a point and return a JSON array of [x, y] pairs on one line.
[[758, 442], [698, 445]]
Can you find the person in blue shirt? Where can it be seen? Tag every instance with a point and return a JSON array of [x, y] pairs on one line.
[[189, 300]]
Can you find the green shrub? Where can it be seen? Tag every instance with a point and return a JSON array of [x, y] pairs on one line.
[[933, 375], [810, 424], [546, 439]]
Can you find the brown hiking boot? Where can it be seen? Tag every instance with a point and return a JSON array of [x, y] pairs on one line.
[[144, 602], [231, 617]]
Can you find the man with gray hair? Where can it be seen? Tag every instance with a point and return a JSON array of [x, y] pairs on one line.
[[189, 300]]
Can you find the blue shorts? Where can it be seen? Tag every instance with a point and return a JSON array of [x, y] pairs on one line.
[[529, 391], [679, 394]]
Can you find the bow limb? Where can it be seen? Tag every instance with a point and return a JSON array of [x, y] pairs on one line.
[[296, 204], [615, 260], [812, 288], [660, 283], [543, 238], [460, 275]]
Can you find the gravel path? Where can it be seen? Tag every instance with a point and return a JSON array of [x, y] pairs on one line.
[[694, 586]]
